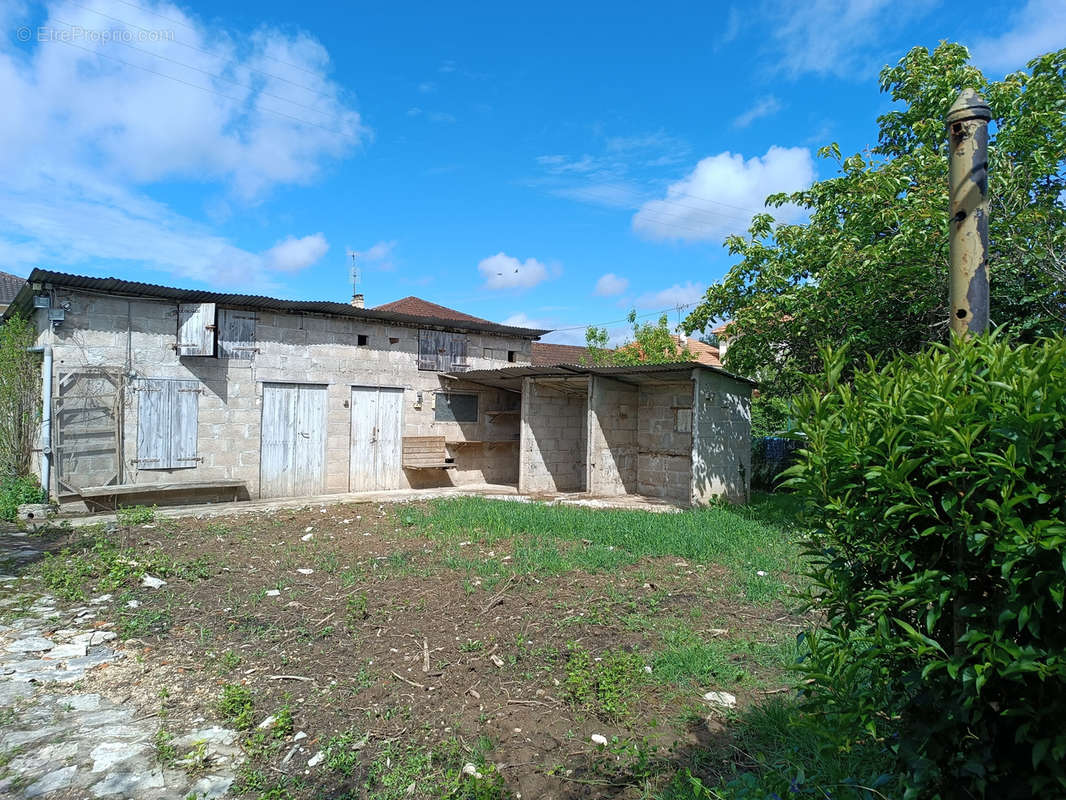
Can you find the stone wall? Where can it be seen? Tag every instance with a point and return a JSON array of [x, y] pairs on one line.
[[553, 446], [612, 439], [721, 452], [134, 338], [664, 447]]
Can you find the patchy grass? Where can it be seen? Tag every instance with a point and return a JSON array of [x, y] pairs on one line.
[[468, 648]]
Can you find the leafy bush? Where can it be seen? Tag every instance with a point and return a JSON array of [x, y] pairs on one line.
[[236, 705], [937, 492], [17, 491]]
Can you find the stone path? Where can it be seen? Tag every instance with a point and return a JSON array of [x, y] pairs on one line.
[[57, 737]]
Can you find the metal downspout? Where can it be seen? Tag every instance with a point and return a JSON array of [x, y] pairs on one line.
[[46, 416]]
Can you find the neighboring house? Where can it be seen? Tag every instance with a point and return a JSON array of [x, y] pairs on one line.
[[724, 337], [162, 395], [550, 355], [9, 288]]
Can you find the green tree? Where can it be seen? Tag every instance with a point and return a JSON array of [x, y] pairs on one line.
[[652, 343], [869, 268], [20, 413]]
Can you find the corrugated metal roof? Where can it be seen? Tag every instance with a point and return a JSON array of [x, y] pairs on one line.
[[511, 374], [117, 286]]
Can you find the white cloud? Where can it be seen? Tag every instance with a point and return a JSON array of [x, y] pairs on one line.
[[523, 320], [293, 255], [101, 121], [378, 256], [1036, 28], [502, 271], [720, 196], [676, 295], [845, 38], [764, 107], [610, 284]]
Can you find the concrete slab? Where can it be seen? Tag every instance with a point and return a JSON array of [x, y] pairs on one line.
[[489, 491]]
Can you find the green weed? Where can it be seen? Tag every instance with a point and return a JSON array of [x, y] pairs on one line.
[[236, 706], [135, 515]]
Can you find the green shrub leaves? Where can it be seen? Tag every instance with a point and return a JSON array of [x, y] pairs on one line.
[[937, 495]]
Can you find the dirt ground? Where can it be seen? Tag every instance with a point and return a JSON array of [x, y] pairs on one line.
[[357, 626]]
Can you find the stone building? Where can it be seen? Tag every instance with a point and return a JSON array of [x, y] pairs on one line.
[[165, 395]]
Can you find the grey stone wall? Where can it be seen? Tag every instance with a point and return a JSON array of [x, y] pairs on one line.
[[134, 337], [721, 452], [612, 438], [664, 455], [553, 446]]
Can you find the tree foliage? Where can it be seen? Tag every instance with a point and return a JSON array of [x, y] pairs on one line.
[[937, 503], [652, 343], [20, 412], [869, 268]]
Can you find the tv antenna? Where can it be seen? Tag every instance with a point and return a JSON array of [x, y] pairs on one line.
[[353, 272]]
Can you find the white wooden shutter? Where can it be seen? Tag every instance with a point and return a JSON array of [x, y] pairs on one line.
[[236, 334], [153, 424], [427, 350], [196, 329], [457, 351], [184, 416], [167, 416]]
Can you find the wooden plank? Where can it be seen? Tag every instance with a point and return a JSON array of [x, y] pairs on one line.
[[278, 420], [184, 417], [236, 334], [363, 424], [196, 329], [309, 459], [389, 456], [138, 488], [153, 424]]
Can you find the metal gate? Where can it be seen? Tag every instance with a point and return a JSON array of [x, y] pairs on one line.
[[87, 429]]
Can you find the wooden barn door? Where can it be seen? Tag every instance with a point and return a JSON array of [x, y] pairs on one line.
[[293, 440], [377, 429]]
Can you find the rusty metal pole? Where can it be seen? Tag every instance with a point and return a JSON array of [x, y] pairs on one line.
[[967, 123]]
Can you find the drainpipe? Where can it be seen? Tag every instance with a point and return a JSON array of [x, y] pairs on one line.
[[46, 416]]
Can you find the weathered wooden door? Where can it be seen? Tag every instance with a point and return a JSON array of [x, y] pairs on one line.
[[377, 428], [293, 440]]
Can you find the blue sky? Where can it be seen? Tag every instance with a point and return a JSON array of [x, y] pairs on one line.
[[551, 164]]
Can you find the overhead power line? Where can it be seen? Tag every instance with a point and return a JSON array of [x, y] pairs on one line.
[[204, 88], [209, 53], [211, 74]]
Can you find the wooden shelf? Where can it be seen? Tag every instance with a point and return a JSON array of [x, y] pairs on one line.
[[472, 442]]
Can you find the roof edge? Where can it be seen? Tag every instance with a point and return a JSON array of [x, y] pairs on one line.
[[124, 288]]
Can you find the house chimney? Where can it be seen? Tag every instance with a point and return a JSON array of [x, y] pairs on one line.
[[357, 300]]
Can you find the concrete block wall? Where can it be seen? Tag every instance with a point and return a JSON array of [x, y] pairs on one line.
[[721, 452], [553, 441], [135, 336], [664, 455], [612, 437]]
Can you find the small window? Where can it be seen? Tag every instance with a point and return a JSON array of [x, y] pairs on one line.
[[456, 408], [682, 420], [512, 356], [362, 340], [236, 334], [394, 340]]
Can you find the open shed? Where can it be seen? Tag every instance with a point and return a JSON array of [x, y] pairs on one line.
[[677, 432]]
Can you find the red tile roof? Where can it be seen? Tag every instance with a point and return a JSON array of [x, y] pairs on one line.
[[704, 353], [417, 307], [551, 355]]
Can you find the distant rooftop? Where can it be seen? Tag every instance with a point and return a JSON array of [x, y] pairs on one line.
[[417, 307], [549, 355], [9, 287]]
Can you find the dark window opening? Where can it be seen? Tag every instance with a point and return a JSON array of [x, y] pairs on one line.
[[455, 407], [394, 340], [512, 356], [362, 340]]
